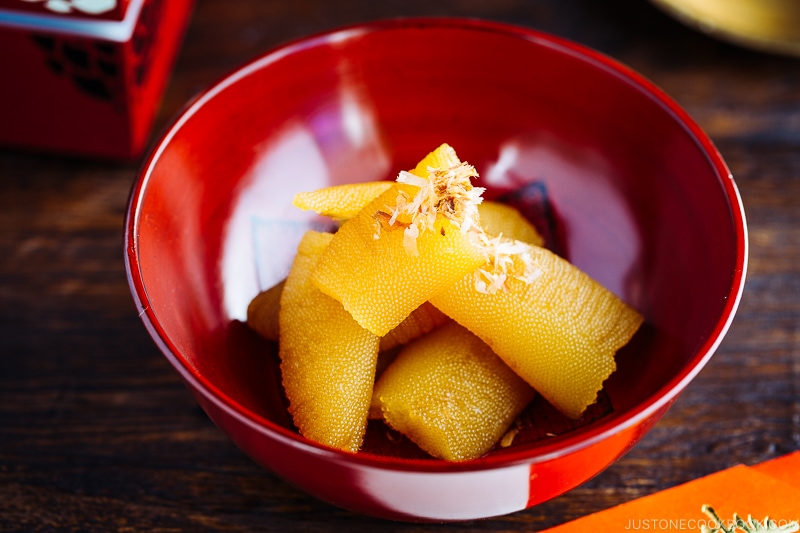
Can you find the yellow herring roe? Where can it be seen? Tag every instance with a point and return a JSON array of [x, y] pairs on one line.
[[409, 243], [549, 321], [482, 315], [449, 393], [327, 359]]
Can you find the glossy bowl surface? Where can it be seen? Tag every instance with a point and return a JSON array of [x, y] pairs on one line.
[[629, 187]]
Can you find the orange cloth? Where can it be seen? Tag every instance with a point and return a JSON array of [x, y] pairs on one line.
[[771, 489], [786, 468]]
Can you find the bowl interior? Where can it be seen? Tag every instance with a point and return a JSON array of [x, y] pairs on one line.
[[614, 174]]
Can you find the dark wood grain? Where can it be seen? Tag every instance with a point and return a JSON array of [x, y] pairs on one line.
[[97, 433]]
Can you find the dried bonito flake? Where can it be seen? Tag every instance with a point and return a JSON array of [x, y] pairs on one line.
[[444, 193]]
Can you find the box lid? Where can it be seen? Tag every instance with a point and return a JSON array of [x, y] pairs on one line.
[[89, 9], [39, 16]]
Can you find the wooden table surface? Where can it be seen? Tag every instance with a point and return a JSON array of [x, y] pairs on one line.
[[97, 432]]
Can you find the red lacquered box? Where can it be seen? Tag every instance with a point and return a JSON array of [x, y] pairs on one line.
[[85, 77]]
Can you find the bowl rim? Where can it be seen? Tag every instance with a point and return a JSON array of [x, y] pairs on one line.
[[538, 453]]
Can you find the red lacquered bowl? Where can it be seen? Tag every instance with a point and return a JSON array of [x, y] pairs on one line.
[[626, 185]]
